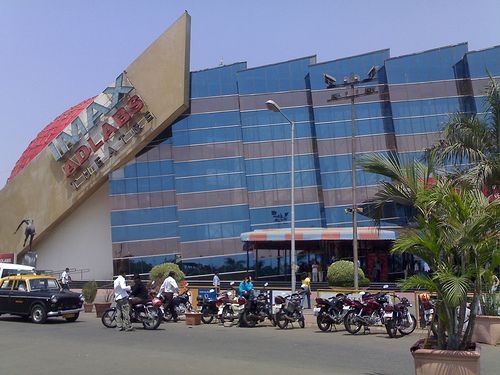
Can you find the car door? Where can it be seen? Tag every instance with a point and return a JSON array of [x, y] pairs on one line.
[[19, 301], [5, 290]]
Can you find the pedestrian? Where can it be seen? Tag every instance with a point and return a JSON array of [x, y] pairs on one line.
[[167, 290], [122, 305], [306, 285], [315, 272], [246, 286], [216, 282], [65, 279]]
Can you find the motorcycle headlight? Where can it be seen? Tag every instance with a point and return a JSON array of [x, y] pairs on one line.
[[53, 299]]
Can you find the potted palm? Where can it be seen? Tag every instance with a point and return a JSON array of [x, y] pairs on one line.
[[487, 328], [456, 233], [108, 295], [89, 292]]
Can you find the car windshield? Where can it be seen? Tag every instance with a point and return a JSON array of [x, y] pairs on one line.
[[44, 284]]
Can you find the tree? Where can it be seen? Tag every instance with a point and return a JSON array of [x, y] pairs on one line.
[[470, 139], [161, 271], [456, 233]]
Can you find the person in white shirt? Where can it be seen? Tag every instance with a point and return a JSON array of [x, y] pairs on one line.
[[122, 305], [167, 290], [216, 282], [65, 279]]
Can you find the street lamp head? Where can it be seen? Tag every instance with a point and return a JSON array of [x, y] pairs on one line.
[[272, 106]]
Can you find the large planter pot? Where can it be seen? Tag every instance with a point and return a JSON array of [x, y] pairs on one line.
[[193, 318], [445, 362], [87, 307], [487, 329], [101, 307]]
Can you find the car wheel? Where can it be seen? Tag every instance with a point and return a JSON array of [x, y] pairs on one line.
[[73, 318], [38, 314]]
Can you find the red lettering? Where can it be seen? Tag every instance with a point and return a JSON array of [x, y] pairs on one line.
[[82, 154], [121, 117], [69, 168], [108, 131], [135, 104], [94, 146]]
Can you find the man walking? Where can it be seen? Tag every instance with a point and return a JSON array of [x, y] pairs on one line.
[[167, 289], [65, 279], [216, 282], [122, 305]]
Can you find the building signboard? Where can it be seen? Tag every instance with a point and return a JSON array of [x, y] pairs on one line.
[[6, 257]]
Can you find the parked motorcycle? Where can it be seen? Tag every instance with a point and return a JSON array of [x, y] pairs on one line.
[[145, 313], [181, 304], [257, 309], [398, 318], [231, 307], [365, 313], [209, 307], [330, 311], [289, 310]]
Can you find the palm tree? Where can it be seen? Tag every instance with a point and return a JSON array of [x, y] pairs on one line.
[[469, 139], [456, 234]]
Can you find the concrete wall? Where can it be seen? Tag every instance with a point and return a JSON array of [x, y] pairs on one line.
[[82, 240]]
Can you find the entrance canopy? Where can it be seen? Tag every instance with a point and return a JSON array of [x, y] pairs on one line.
[[319, 234]]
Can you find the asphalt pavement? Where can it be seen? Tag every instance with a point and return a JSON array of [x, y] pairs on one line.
[[87, 347]]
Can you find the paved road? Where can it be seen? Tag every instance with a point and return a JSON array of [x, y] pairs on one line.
[[86, 347]]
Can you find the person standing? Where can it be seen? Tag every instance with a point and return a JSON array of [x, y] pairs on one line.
[[306, 285], [315, 272], [246, 287], [216, 282], [65, 279], [122, 305], [167, 290]]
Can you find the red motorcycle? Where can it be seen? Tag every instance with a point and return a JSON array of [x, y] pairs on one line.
[[398, 318], [369, 311]]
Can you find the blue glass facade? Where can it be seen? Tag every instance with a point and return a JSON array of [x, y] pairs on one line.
[[223, 167]]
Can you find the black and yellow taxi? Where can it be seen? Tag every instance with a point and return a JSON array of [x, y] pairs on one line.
[[38, 297]]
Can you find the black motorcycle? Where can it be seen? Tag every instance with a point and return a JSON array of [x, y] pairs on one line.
[[398, 318], [289, 310], [181, 304], [257, 309], [144, 313], [209, 308], [330, 311]]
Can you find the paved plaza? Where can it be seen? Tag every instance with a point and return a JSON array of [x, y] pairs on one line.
[[86, 347]]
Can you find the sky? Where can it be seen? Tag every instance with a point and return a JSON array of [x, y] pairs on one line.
[[54, 54]]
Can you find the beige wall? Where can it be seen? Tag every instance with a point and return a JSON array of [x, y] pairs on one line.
[[42, 192], [82, 240]]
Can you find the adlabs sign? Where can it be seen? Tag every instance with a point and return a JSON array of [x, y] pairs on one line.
[[114, 117]]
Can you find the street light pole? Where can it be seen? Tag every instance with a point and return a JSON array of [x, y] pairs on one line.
[[272, 106], [351, 82]]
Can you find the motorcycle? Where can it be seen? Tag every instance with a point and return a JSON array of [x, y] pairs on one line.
[[231, 307], [181, 304], [398, 318], [330, 312], [257, 309], [366, 313], [209, 307], [145, 313], [289, 310]]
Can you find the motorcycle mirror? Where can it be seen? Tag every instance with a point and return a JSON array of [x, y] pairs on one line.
[[385, 286], [266, 284]]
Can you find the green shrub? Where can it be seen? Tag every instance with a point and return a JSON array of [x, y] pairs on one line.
[[89, 291], [341, 273], [160, 272]]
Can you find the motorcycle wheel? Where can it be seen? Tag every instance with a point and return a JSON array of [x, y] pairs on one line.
[[323, 322], [391, 328], [109, 318], [351, 324], [206, 317], [407, 330], [272, 318], [246, 321], [167, 315], [281, 320], [302, 322], [227, 314], [152, 320]]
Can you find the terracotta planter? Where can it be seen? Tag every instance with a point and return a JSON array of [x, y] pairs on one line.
[[445, 362], [87, 307], [101, 307], [193, 318], [487, 329]]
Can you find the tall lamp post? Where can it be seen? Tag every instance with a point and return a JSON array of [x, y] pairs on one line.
[[272, 106], [351, 82]]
